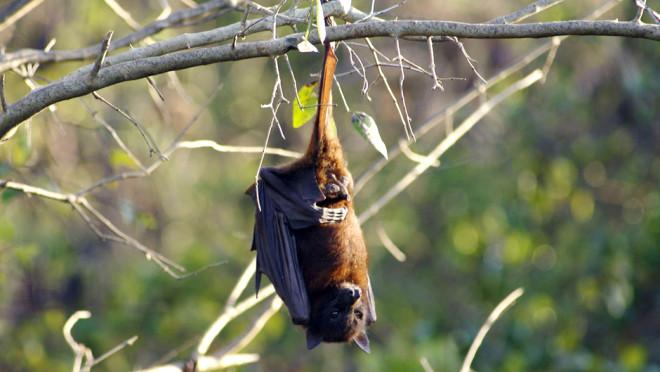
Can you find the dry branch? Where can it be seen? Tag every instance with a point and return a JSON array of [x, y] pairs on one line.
[[74, 86], [19, 57]]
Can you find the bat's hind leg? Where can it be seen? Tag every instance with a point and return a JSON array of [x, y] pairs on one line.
[[339, 188]]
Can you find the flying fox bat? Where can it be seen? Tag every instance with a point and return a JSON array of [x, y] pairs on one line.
[[307, 236]]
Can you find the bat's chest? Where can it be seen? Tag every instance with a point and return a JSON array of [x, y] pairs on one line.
[[333, 253]]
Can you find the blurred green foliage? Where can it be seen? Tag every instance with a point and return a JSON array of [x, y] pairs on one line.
[[555, 191]]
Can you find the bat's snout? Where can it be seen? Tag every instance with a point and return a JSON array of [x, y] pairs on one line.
[[356, 293], [349, 294]]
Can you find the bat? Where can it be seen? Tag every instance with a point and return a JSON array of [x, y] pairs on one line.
[[307, 237]]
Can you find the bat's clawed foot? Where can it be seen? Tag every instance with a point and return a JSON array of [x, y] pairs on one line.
[[332, 215]]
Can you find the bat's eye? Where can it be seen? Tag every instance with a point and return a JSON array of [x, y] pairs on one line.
[[334, 314], [358, 314]]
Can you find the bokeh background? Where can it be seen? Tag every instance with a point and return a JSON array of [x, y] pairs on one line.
[[556, 190]]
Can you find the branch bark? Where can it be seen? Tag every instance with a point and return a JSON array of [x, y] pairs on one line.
[[74, 85]]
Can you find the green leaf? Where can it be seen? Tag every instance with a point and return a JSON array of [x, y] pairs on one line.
[[309, 100], [366, 126], [320, 21]]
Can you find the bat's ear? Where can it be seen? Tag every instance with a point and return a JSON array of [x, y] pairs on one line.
[[313, 340], [362, 341]]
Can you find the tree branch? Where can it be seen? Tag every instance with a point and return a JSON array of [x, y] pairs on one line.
[[74, 86], [17, 58]]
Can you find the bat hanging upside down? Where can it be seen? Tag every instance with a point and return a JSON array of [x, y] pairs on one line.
[[307, 236]]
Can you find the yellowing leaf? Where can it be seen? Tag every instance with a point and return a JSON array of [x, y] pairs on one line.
[[119, 158], [309, 100]]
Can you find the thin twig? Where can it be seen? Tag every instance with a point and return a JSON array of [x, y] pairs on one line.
[[425, 364], [402, 78], [397, 253], [118, 140], [406, 66], [114, 350], [492, 318], [197, 144], [257, 325], [436, 83], [261, 163], [525, 12], [448, 142], [15, 11], [241, 283], [362, 72], [227, 316], [152, 84], [3, 100], [641, 5], [446, 115], [123, 14], [151, 144], [550, 58], [85, 209], [469, 59], [81, 351], [389, 90], [410, 154], [293, 79], [341, 94]]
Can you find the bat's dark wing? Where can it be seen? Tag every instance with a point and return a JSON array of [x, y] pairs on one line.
[[286, 201]]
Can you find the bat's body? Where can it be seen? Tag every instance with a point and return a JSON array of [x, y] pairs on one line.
[[307, 236]]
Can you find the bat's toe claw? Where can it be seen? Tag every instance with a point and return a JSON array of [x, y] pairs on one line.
[[332, 215]]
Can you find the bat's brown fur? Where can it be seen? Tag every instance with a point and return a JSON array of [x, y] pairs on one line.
[[331, 255]]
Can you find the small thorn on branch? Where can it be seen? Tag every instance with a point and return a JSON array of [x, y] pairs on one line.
[[105, 45]]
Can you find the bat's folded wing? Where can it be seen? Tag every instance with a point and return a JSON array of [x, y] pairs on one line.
[[371, 310], [285, 201]]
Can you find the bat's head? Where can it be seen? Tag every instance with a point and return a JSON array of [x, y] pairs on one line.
[[339, 315]]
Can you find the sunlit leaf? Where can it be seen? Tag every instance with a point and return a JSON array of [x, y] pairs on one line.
[[309, 100], [366, 126], [306, 47]]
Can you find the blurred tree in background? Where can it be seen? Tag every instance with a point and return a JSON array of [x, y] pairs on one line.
[[556, 191]]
